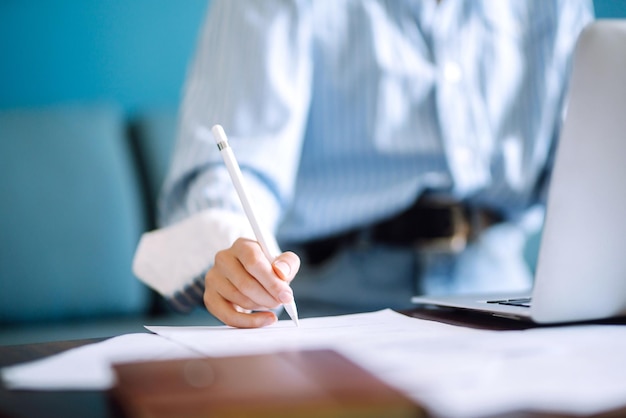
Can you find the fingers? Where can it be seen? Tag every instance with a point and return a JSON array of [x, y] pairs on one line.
[[228, 313], [242, 279], [229, 292], [258, 267]]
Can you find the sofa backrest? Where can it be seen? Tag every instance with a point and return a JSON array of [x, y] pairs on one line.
[[153, 133], [70, 215]]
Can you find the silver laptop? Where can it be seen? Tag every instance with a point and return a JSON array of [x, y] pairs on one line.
[[581, 268]]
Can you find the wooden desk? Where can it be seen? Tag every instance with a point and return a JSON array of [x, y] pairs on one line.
[[96, 404], [32, 404]]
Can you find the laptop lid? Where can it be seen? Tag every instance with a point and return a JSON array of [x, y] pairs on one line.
[[581, 268]]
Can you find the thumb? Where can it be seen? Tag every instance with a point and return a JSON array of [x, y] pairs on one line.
[[286, 265]]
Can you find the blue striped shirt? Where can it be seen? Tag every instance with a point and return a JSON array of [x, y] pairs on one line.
[[341, 112]]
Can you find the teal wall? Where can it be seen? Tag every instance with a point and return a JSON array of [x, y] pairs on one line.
[[133, 52], [610, 8]]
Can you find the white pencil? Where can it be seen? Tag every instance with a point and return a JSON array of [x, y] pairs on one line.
[[235, 175]]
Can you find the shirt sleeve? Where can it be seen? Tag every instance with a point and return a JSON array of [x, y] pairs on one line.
[[251, 74]]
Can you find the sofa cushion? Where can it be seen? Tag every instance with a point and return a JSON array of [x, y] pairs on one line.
[[71, 215]]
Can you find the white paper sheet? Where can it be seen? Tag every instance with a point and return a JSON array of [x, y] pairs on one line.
[[89, 367], [453, 371]]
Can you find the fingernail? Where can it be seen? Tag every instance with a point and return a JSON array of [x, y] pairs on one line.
[[283, 268], [285, 296]]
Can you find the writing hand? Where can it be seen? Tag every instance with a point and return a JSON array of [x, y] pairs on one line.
[[243, 285]]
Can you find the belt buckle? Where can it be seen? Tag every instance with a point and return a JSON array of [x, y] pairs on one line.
[[458, 226]]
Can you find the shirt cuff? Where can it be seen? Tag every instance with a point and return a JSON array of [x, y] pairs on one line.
[[172, 259]]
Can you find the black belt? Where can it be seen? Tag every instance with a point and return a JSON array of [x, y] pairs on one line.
[[430, 224]]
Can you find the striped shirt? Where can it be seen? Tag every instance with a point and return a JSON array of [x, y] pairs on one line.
[[341, 112]]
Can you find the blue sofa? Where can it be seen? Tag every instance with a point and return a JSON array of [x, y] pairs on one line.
[[79, 186]]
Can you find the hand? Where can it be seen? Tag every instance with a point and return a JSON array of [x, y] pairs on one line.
[[242, 280]]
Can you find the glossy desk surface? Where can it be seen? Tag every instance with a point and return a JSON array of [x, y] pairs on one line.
[[96, 404]]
